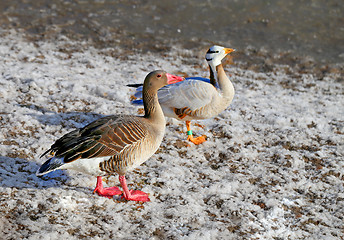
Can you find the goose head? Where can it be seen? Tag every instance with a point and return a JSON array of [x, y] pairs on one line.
[[215, 55], [157, 79]]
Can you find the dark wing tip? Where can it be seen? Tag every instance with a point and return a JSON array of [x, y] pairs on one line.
[[135, 85], [45, 153], [50, 165]]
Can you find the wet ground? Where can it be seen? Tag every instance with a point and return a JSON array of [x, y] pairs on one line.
[[307, 35]]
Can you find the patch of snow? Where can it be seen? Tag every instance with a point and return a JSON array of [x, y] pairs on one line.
[[271, 169]]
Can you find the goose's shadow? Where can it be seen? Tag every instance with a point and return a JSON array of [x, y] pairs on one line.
[[20, 173]]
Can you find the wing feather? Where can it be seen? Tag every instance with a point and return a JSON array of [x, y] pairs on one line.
[[192, 94], [107, 136]]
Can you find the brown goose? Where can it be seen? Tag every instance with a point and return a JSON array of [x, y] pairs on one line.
[[114, 144]]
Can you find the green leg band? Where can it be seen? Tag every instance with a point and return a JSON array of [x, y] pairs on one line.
[[189, 132]]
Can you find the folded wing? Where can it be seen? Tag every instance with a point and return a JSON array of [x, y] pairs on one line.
[[107, 136]]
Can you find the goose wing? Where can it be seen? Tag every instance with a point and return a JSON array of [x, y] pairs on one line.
[[191, 94], [106, 136]]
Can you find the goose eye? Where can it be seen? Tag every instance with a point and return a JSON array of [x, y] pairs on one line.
[[159, 75]]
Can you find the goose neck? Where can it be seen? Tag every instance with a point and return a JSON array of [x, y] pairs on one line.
[[152, 107], [224, 83]]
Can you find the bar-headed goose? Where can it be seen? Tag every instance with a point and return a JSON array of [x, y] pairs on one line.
[[197, 98]]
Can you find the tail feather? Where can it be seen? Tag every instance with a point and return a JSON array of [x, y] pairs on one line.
[[135, 85], [50, 165]]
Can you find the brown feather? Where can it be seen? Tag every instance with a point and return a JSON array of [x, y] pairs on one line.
[[106, 136]]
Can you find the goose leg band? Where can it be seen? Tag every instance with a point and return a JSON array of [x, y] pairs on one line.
[[189, 132]]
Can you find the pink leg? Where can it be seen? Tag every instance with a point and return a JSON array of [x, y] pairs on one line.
[[133, 195], [106, 192]]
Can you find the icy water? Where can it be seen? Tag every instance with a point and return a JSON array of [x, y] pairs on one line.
[[287, 29]]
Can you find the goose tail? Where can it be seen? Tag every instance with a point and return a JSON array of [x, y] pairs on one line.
[[50, 165]]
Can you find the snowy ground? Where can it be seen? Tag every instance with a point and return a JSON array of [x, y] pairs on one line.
[[271, 169]]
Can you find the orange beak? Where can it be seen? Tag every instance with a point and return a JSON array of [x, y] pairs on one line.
[[229, 50], [173, 79]]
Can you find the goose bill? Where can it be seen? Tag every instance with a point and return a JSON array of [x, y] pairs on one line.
[[173, 79], [229, 50]]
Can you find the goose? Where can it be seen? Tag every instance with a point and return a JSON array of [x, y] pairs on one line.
[[197, 98], [114, 144]]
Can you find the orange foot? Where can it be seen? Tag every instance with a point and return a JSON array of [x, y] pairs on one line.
[[197, 140]]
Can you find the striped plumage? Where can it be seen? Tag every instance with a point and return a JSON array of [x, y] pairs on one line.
[[198, 98], [114, 144]]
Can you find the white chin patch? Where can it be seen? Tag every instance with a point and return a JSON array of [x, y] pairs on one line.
[[216, 62]]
